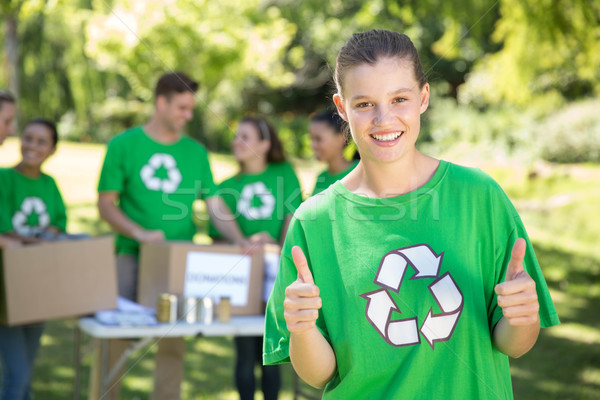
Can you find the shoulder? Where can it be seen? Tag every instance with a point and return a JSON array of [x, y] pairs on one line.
[[230, 182], [284, 166], [475, 183], [323, 174], [469, 177], [193, 144], [318, 207], [124, 138]]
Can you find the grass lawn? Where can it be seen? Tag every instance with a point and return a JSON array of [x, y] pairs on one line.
[[559, 205]]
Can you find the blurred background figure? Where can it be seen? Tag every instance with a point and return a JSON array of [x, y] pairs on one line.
[[30, 206], [329, 139], [8, 111], [262, 196]]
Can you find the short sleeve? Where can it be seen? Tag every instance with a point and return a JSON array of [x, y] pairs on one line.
[[60, 213], [277, 337], [112, 174], [547, 311], [207, 186]]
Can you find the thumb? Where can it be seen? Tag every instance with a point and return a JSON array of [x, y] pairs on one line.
[[515, 265], [301, 265]]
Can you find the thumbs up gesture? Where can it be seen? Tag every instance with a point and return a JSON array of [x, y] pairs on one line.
[[302, 302], [517, 295]]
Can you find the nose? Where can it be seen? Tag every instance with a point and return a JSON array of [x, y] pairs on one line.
[[383, 116]]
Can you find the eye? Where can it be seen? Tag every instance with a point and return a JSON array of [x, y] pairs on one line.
[[364, 104], [400, 99]]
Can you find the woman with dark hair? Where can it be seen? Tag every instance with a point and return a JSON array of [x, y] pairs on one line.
[[328, 140], [262, 196], [411, 277], [31, 207]]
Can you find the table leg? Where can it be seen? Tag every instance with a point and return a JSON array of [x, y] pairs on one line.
[[77, 384]]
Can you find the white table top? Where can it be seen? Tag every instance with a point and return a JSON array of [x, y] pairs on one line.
[[252, 325]]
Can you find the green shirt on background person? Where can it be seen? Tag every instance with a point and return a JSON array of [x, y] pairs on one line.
[[325, 179], [260, 202], [30, 205], [157, 183]]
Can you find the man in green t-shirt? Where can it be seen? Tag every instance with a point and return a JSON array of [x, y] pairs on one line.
[[150, 178], [8, 111]]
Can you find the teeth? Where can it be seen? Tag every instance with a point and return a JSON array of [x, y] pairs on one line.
[[388, 137]]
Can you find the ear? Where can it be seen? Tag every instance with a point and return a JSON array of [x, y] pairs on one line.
[[161, 102], [339, 104], [424, 97]]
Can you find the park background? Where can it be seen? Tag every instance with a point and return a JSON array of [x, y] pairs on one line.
[[515, 92]]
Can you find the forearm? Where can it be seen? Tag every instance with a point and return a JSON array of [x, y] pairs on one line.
[[6, 241], [515, 341], [312, 357], [223, 220], [119, 221]]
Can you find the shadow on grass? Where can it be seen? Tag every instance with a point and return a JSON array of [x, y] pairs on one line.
[[565, 362]]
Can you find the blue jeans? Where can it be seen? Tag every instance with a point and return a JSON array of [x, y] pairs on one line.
[[249, 353], [18, 348]]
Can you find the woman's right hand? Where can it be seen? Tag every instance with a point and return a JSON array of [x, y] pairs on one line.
[[302, 302]]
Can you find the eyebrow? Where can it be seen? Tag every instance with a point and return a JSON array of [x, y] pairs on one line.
[[392, 93]]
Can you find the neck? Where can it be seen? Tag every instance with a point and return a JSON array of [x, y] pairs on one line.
[[28, 171], [372, 179], [338, 165], [253, 166], [160, 132]]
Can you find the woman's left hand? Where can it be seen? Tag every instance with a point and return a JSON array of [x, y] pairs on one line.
[[517, 295]]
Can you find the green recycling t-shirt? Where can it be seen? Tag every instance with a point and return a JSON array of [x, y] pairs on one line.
[[157, 183], [325, 179], [260, 202], [28, 206], [407, 285]]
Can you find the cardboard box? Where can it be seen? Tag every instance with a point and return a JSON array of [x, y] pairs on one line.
[[183, 268], [57, 280]]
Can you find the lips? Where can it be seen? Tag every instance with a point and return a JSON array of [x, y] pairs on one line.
[[387, 139]]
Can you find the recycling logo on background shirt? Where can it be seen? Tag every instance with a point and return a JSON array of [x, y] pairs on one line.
[[405, 332], [30, 206], [153, 182], [251, 190]]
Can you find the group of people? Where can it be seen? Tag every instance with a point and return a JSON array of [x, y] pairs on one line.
[[149, 173], [473, 294]]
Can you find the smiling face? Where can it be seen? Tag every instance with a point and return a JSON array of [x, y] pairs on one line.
[[383, 103], [248, 145], [325, 142], [36, 145], [176, 110], [8, 112]]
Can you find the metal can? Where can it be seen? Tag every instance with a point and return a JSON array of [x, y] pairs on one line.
[[224, 309], [188, 310], [166, 310], [206, 310]]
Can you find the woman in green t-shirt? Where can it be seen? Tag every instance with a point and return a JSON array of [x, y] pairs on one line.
[[262, 196], [411, 277], [30, 208], [328, 141]]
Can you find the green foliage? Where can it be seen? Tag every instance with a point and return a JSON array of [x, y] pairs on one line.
[[572, 134]]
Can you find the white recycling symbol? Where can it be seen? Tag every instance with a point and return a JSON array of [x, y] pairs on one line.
[[405, 332], [244, 205], [31, 205], [153, 182]]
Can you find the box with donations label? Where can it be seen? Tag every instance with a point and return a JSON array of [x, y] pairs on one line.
[[57, 280], [214, 271]]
